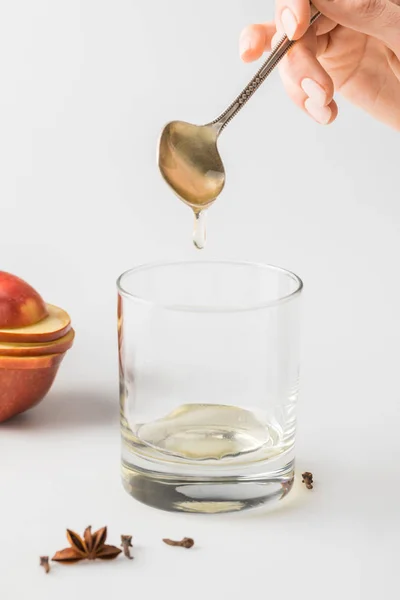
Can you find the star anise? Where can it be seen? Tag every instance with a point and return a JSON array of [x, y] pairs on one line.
[[90, 547]]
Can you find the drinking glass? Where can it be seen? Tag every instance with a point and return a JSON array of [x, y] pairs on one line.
[[209, 372]]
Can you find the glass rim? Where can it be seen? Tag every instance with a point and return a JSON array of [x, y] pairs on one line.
[[210, 309]]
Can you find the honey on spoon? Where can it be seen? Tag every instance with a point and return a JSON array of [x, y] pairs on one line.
[[188, 156]]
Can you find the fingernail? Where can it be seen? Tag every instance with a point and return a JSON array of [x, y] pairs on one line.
[[245, 44], [322, 114], [276, 38], [289, 23], [314, 91]]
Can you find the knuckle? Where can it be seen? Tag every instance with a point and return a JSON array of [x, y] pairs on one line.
[[369, 8]]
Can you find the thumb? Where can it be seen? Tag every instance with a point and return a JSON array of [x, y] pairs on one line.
[[378, 18]]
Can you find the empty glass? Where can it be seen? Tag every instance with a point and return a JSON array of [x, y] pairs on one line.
[[209, 362]]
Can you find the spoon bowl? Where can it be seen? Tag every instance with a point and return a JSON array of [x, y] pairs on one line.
[[190, 163]]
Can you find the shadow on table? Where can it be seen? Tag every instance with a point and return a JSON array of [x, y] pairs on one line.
[[68, 410]]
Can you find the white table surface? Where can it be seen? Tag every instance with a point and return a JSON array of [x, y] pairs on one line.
[[86, 87], [60, 468]]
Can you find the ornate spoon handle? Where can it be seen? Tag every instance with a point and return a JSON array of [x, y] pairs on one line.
[[281, 48]]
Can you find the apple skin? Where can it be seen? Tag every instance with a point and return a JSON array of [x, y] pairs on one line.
[[24, 382], [25, 349], [20, 304], [54, 326]]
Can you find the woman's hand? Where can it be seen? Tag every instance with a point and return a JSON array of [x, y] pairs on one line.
[[354, 49]]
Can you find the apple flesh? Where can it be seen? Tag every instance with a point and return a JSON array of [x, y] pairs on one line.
[[54, 326], [24, 349], [25, 381], [20, 304]]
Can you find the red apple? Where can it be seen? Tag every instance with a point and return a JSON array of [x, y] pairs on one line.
[[20, 304], [53, 327], [25, 349], [25, 381]]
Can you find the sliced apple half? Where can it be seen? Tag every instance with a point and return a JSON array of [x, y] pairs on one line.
[[59, 346], [54, 326]]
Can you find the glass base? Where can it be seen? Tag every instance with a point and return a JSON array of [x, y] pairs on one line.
[[207, 494]]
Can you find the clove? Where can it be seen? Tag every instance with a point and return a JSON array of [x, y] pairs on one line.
[[44, 562], [185, 543], [308, 480], [126, 543]]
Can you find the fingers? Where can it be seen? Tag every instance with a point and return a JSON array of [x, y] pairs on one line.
[[378, 18], [305, 80], [255, 40], [322, 113], [324, 116], [324, 25], [307, 83], [293, 17]]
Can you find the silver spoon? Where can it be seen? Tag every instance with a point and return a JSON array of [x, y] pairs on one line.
[[188, 155]]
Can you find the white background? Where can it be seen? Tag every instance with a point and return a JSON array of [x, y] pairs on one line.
[[85, 87]]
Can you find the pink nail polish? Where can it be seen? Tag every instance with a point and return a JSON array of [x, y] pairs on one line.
[[289, 23], [321, 114], [314, 91]]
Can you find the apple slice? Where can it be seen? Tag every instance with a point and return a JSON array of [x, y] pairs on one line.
[[20, 304], [53, 327], [56, 347]]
